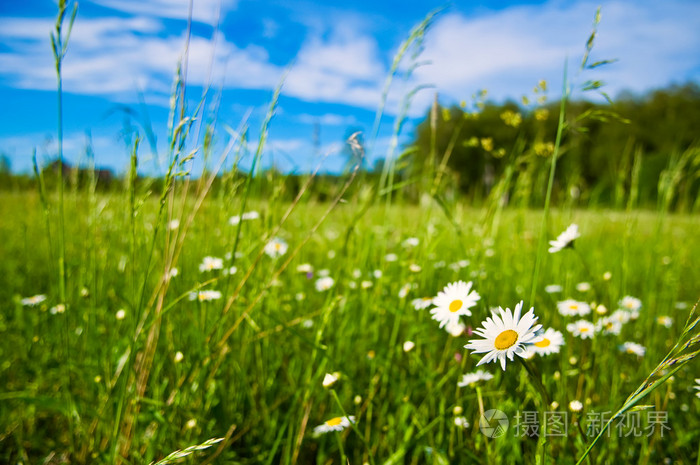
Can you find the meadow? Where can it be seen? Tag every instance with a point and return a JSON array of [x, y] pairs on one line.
[[174, 321]]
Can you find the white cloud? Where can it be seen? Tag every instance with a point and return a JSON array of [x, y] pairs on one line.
[[205, 11], [328, 119], [508, 51]]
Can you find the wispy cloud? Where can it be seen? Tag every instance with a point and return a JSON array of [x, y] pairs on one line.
[[206, 11]]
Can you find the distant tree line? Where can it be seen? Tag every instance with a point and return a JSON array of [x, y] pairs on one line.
[[610, 153]]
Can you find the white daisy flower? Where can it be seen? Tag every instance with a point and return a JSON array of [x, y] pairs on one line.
[[414, 268], [608, 325], [276, 247], [550, 343], [575, 406], [405, 289], [470, 379], [366, 284], [553, 288], [356, 273], [377, 274], [455, 329], [571, 307], [121, 314], [179, 356], [581, 328], [505, 335], [565, 239], [211, 263], [411, 242], [205, 296], [305, 268], [33, 300], [251, 215], [408, 346], [454, 300], [58, 308], [324, 272], [391, 257], [330, 379], [633, 348], [334, 424], [665, 321], [583, 287], [174, 224], [324, 284], [422, 303], [621, 316], [630, 303], [461, 422]]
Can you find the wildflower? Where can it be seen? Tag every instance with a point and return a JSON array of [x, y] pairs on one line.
[[299, 296], [422, 303], [251, 215], [178, 357], [550, 342], [601, 309], [454, 300], [305, 268], [211, 263], [455, 328], [356, 273], [276, 247], [630, 303], [84, 292], [461, 422], [470, 379], [324, 272], [621, 316], [553, 288], [329, 380], [608, 325], [205, 296], [571, 307], [121, 314], [505, 335], [403, 292], [334, 424], [575, 405], [414, 268], [633, 348], [174, 224], [231, 271], [325, 283], [583, 287], [665, 321], [457, 410], [172, 272], [697, 387], [408, 346], [391, 257], [357, 400], [581, 328], [411, 242], [191, 423], [58, 308], [377, 274], [565, 239], [607, 275], [33, 300]]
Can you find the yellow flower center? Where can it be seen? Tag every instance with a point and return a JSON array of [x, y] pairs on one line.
[[583, 330], [278, 246], [543, 343], [506, 339], [573, 307], [455, 305], [334, 421]]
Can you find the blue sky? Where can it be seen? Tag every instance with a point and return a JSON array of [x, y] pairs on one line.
[[337, 55]]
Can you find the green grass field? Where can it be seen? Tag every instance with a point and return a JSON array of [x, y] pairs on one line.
[[172, 321], [135, 368]]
